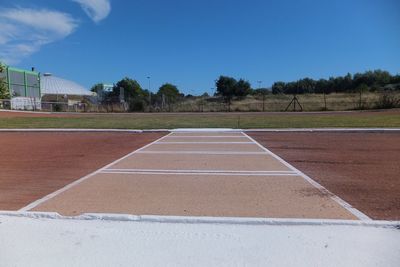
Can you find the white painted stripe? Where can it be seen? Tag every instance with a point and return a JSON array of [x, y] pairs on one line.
[[65, 188], [337, 199], [205, 152], [195, 171], [207, 136], [204, 143], [202, 173], [205, 130]]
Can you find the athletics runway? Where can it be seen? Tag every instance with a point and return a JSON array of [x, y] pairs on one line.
[[199, 173]]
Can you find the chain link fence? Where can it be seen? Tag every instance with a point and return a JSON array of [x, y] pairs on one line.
[[266, 103], [278, 103]]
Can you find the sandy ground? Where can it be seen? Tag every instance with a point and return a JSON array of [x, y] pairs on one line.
[[191, 184], [196, 195], [36, 164], [361, 168]]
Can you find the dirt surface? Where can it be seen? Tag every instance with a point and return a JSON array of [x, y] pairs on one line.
[[201, 162], [197, 195], [36, 164], [230, 185], [361, 168]]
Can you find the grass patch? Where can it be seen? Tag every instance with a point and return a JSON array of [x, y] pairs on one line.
[[217, 120]]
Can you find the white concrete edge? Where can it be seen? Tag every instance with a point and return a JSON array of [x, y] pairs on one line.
[[360, 215], [65, 188], [201, 220]]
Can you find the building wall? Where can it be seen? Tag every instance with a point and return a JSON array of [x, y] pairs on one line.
[[23, 83]]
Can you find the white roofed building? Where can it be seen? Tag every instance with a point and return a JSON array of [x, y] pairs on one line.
[[52, 85]]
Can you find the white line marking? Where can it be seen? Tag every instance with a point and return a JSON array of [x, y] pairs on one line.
[[202, 173], [206, 136], [65, 188], [194, 171], [337, 199], [205, 130], [204, 143], [205, 152]]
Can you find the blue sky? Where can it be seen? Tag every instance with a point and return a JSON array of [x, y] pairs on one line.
[[190, 43]]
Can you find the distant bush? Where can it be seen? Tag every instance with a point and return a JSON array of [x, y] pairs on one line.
[[57, 108], [136, 105], [387, 100]]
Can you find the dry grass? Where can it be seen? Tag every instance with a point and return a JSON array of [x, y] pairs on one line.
[[311, 102]]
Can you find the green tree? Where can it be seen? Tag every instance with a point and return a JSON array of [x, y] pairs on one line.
[[96, 88], [4, 92], [132, 88], [242, 88], [226, 87], [278, 88], [169, 94], [134, 95]]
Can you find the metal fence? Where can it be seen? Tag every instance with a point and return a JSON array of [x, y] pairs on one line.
[[268, 103], [277, 103]]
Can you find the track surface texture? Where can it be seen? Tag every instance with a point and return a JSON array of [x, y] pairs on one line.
[[36, 164], [219, 182], [217, 174], [361, 168]]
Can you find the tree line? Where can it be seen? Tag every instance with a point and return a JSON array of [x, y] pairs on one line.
[[367, 81], [138, 99], [229, 88]]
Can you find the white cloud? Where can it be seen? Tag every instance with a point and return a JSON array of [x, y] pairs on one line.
[[97, 10], [24, 31]]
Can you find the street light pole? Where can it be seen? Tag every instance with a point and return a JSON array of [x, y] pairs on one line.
[[148, 78], [263, 95]]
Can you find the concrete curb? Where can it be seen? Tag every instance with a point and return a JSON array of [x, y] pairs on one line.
[[199, 220]]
